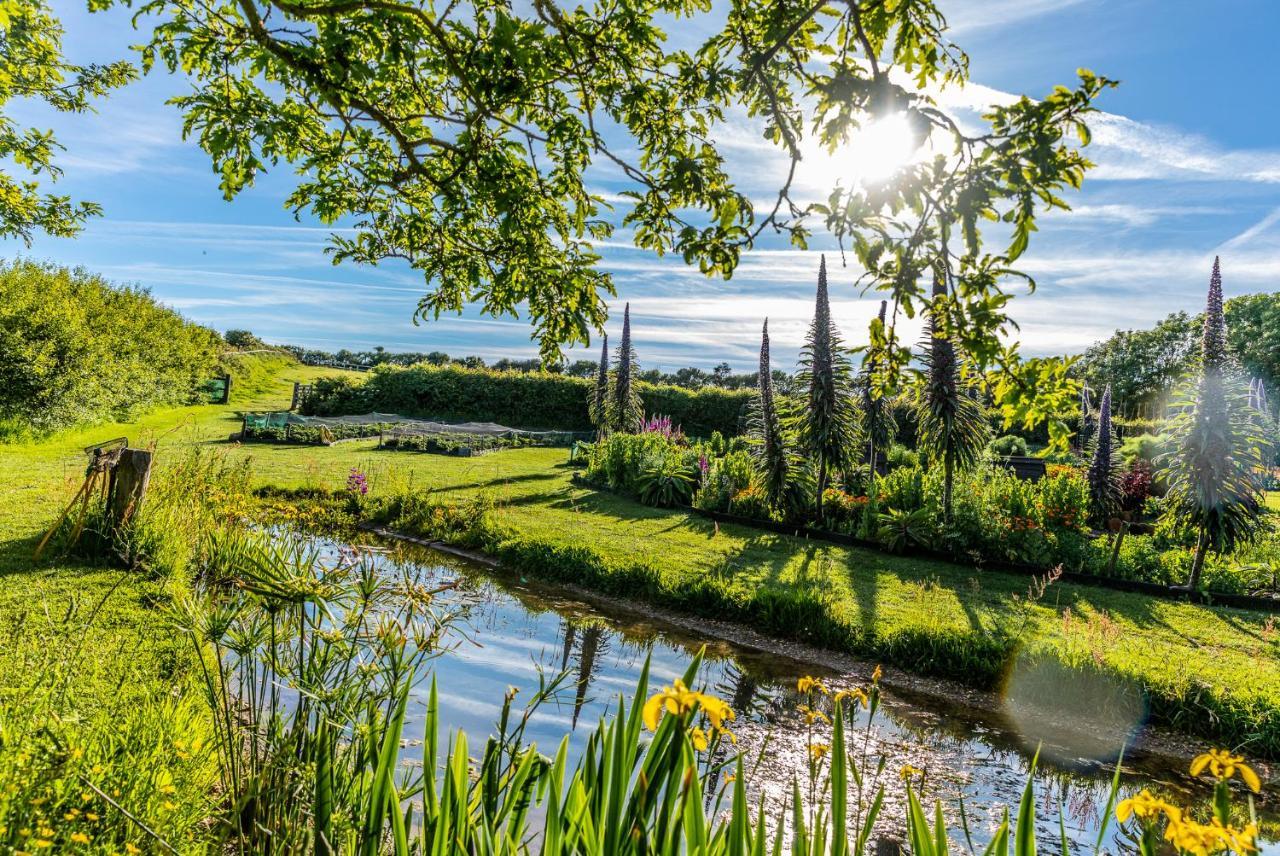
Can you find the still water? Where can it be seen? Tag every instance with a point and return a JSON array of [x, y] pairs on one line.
[[974, 748]]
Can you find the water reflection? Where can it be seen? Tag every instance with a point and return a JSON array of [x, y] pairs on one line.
[[518, 631]]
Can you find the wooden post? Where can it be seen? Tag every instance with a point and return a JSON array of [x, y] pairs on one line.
[[293, 405], [129, 480], [226, 389]]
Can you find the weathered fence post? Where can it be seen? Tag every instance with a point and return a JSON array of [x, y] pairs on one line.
[[226, 389], [293, 405], [129, 479]]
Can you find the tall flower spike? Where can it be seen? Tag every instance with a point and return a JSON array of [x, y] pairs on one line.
[[1103, 475], [628, 412], [600, 397], [1214, 344], [771, 454]]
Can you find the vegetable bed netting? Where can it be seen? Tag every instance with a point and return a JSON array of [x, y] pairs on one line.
[[398, 433]]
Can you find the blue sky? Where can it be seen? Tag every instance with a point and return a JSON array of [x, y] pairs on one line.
[[1189, 167]]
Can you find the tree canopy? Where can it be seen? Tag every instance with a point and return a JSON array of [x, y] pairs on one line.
[[459, 137], [32, 67], [1144, 366]]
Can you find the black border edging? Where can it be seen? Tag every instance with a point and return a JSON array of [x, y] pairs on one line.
[[1237, 601]]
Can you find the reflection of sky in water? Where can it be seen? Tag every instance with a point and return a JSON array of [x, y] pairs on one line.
[[513, 630]]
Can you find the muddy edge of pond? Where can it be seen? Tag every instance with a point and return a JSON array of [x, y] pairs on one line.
[[1150, 745]]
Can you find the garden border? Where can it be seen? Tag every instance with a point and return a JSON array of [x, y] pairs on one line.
[[1236, 601]]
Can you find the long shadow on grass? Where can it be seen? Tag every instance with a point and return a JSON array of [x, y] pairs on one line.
[[494, 482]]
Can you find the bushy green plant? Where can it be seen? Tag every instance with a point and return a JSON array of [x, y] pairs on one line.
[[78, 350], [902, 489], [1008, 445], [899, 456], [651, 467], [751, 502], [724, 478], [1143, 447]]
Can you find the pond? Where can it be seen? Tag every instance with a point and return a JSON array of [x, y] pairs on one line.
[[975, 747]]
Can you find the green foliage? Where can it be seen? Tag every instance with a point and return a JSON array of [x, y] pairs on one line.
[[667, 482], [1008, 445], [726, 477], [537, 400], [79, 350], [367, 100], [1143, 447], [900, 456], [33, 69]]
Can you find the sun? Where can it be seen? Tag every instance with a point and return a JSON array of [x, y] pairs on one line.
[[879, 149]]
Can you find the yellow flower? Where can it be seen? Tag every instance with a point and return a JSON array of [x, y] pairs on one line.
[[699, 738], [909, 772], [1222, 765], [809, 684], [730, 778], [79, 838], [42, 843], [875, 676], [716, 710], [811, 715], [675, 699], [856, 694], [1203, 839], [818, 751], [131, 848], [1145, 806]]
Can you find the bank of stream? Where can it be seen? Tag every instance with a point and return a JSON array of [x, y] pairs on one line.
[[974, 747]]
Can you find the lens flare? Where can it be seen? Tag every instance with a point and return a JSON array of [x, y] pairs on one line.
[[879, 149], [1074, 714]]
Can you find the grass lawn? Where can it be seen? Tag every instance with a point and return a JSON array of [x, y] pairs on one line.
[[1211, 669], [1273, 500], [90, 672]]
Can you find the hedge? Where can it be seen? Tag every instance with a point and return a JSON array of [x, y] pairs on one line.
[[78, 350], [532, 400]]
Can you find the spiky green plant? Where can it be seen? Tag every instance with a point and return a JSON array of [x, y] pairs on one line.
[[878, 425], [600, 395], [771, 454], [952, 425], [626, 412], [828, 425], [1214, 469], [1086, 415], [1104, 466]]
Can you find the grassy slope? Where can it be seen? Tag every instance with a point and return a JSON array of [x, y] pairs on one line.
[[96, 630]]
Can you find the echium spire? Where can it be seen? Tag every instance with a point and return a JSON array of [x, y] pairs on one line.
[[600, 397], [1214, 345], [628, 413], [771, 454], [1104, 494], [822, 318]]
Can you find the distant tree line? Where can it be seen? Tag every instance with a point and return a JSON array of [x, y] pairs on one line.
[[691, 377], [1142, 367]]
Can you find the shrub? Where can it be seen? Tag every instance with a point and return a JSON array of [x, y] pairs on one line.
[[750, 502], [1142, 447], [900, 456], [666, 481], [642, 465], [724, 478], [843, 512], [1135, 486], [539, 400], [78, 350], [1008, 445]]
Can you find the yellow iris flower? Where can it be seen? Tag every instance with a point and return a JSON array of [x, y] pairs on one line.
[[1222, 765]]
